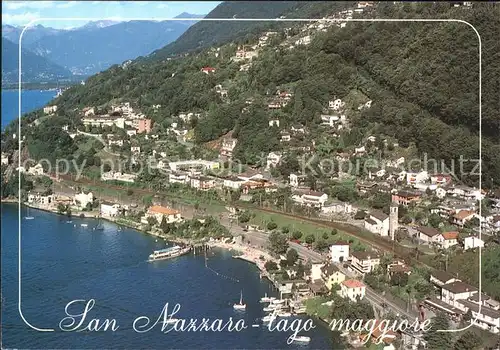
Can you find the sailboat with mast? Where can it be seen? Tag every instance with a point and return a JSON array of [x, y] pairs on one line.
[[28, 216], [240, 305]]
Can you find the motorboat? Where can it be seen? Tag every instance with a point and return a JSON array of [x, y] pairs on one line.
[[302, 339]]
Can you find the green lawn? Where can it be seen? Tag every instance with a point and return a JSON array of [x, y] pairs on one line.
[[263, 218]]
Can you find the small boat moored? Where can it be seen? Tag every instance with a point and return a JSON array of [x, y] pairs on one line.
[[302, 339], [240, 305]]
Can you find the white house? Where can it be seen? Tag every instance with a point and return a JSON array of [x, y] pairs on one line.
[[273, 122], [440, 192], [177, 177], [337, 207], [378, 222], [339, 251], [352, 289], [329, 120], [160, 212], [36, 170], [364, 262], [296, 180], [109, 209], [310, 198], [414, 178], [5, 159], [336, 104], [447, 239], [228, 146], [273, 159], [135, 149], [485, 317], [461, 218], [233, 182], [316, 271], [49, 109], [82, 199], [428, 234], [472, 242], [457, 290]]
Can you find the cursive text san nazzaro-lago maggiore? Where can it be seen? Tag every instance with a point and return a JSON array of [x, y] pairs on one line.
[[166, 322]]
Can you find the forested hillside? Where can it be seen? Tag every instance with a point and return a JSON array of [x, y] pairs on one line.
[[208, 33], [34, 67], [422, 77]]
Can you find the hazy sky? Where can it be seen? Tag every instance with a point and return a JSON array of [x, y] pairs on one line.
[[22, 12]]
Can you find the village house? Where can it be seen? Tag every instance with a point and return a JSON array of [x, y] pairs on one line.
[[310, 198], [364, 262], [440, 192], [329, 120], [40, 198], [457, 290], [447, 239], [109, 209], [131, 132], [49, 109], [298, 129], [377, 222], [115, 142], [228, 145], [285, 136], [135, 149], [202, 183], [83, 199], [405, 198], [339, 251], [428, 234], [233, 182], [273, 159], [440, 278], [415, 178], [208, 70], [483, 317], [440, 179], [486, 300], [316, 273], [118, 176], [189, 164], [336, 105], [178, 177], [5, 159], [353, 289], [337, 207], [461, 218], [250, 174], [398, 266], [297, 180], [465, 192], [360, 150], [160, 212], [274, 122], [331, 275], [36, 170], [379, 336], [472, 242], [143, 125]]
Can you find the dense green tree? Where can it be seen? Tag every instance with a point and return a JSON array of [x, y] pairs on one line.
[[435, 339], [278, 242]]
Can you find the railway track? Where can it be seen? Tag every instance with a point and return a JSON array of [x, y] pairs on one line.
[[377, 242]]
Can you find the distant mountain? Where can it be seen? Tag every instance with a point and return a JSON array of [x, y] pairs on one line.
[[98, 45], [189, 15], [207, 33], [31, 35], [34, 68], [98, 24]]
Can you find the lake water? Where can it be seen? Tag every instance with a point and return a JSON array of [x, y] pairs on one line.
[[30, 100], [64, 261]]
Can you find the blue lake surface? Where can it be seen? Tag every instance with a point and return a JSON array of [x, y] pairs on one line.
[[64, 261], [30, 100]]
